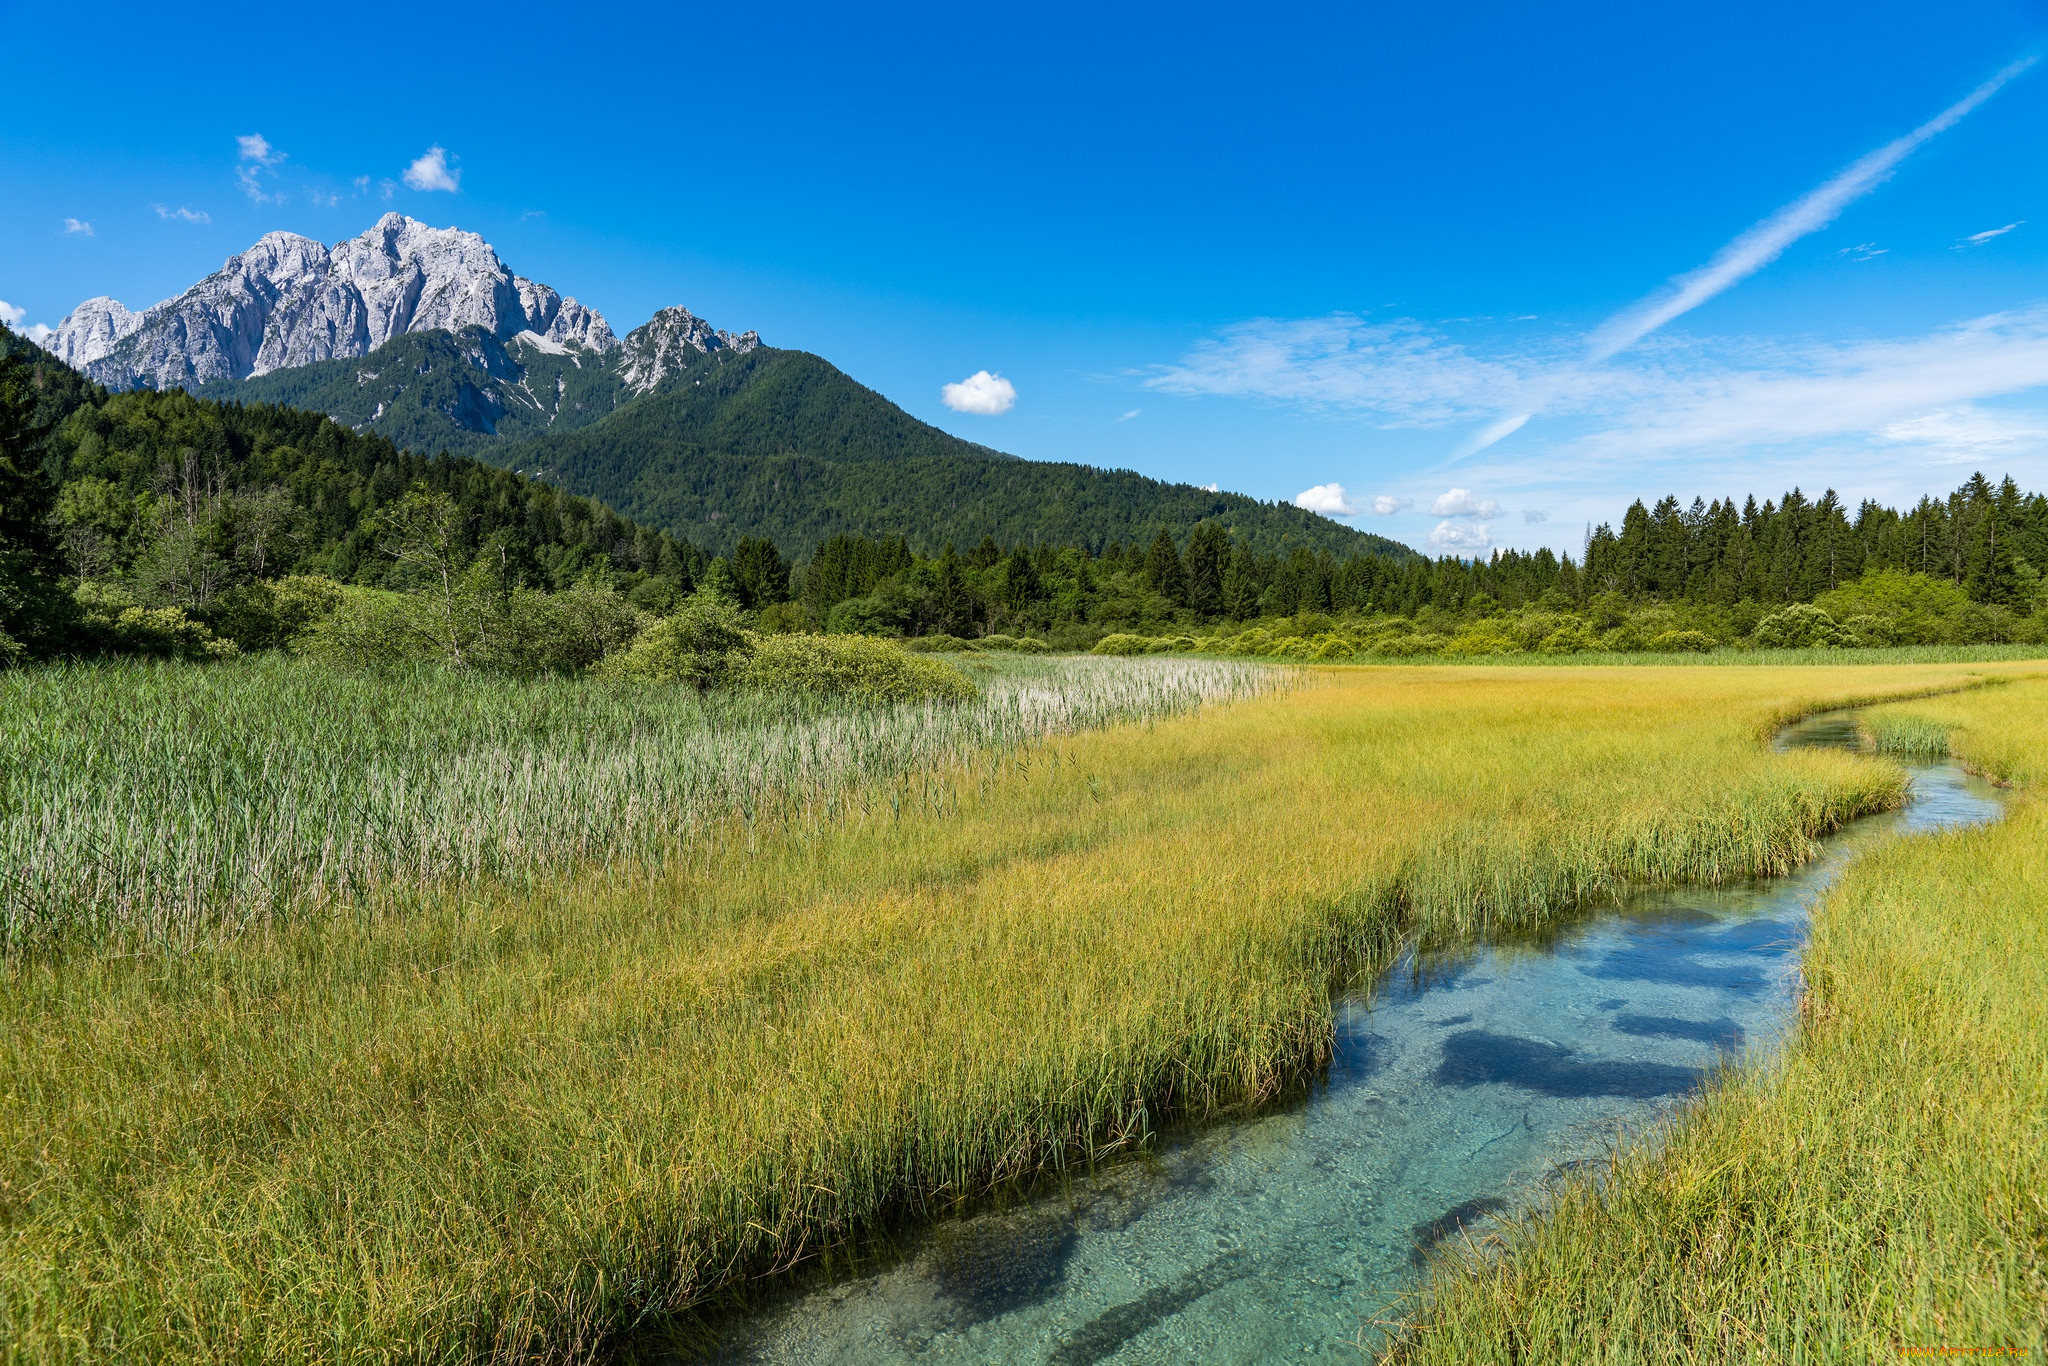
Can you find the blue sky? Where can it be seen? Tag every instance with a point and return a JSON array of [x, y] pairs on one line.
[[1276, 249]]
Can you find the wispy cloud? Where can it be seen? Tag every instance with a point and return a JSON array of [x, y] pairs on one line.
[[1749, 253], [1765, 242], [1863, 251], [74, 227], [1386, 504], [1402, 371], [257, 158], [1978, 239], [432, 172], [182, 214], [1532, 517], [981, 393], [256, 148], [1131, 414], [1328, 499]]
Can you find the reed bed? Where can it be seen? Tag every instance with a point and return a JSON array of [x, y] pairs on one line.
[[1875, 1195], [156, 802], [519, 1122]]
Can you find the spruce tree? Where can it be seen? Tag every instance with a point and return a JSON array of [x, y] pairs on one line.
[[1164, 573], [31, 594]]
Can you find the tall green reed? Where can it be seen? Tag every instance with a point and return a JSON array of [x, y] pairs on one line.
[[163, 801]]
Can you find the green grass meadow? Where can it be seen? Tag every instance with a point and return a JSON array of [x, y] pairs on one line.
[[1878, 1193], [492, 1033]]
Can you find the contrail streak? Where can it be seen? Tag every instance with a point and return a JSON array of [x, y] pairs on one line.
[[1765, 242], [1755, 249]]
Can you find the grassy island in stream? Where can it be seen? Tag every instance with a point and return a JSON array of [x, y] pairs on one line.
[[1878, 1192], [473, 1118]]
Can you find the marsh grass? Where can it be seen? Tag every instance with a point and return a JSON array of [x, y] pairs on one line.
[[519, 1120], [158, 802], [1880, 1190], [1729, 658]]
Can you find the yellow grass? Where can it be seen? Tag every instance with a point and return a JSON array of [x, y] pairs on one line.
[[1880, 1194], [486, 1125]]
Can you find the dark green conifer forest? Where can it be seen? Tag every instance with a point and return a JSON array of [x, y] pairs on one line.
[[158, 522]]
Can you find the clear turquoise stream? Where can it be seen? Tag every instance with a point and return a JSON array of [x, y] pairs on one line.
[[1458, 1089]]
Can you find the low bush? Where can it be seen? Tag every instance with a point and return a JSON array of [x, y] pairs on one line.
[[1122, 644], [702, 645], [864, 668], [1802, 626], [1683, 642]]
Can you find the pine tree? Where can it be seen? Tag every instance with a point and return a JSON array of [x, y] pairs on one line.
[[1164, 572], [1208, 553], [31, 596]]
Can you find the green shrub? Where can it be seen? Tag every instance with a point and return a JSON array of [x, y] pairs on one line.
[[703, 645], [1802, 626], [940, 644], [368, 628], [114, 622], [1333, 647], [265, 615], [164, 632], [1171, 645], [997, 642], [1032, 645], [1574, 637], [1122, 644], [1676, 642], [864, 668]]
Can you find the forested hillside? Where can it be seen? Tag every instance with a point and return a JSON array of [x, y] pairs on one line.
[[119, 506], [766, 442]]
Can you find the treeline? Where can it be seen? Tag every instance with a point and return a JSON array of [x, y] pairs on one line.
[[1987, 543], [161, 502], [159, 522]]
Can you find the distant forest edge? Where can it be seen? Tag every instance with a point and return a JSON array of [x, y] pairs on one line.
[[769, 443], [161, 523]]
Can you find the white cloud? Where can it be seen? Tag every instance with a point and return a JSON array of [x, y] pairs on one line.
[[1456, 538], [1131, 414], [11, 315], [1213, 488], [1531, 517], [1765, 242], [75, 228], [258, 159], [1978, 239], [982, 393], [1863, 251], [1404, 373], [255, 147], [1677, 398], [1386, 504], [1328, 499], [322, 201], [431, 172], [362, 184], [182, 214], [39, 333], [1461, 503], [385, 187]]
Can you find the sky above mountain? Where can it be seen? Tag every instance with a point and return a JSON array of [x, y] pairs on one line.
[[1466, 275]]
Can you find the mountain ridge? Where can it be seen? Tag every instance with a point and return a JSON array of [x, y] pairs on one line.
[[422, 336]]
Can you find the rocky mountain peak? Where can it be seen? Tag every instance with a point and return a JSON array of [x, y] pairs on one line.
[[665, 343], [289, 301]]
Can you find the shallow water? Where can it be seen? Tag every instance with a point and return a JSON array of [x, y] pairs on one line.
[[1457, 1090]]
